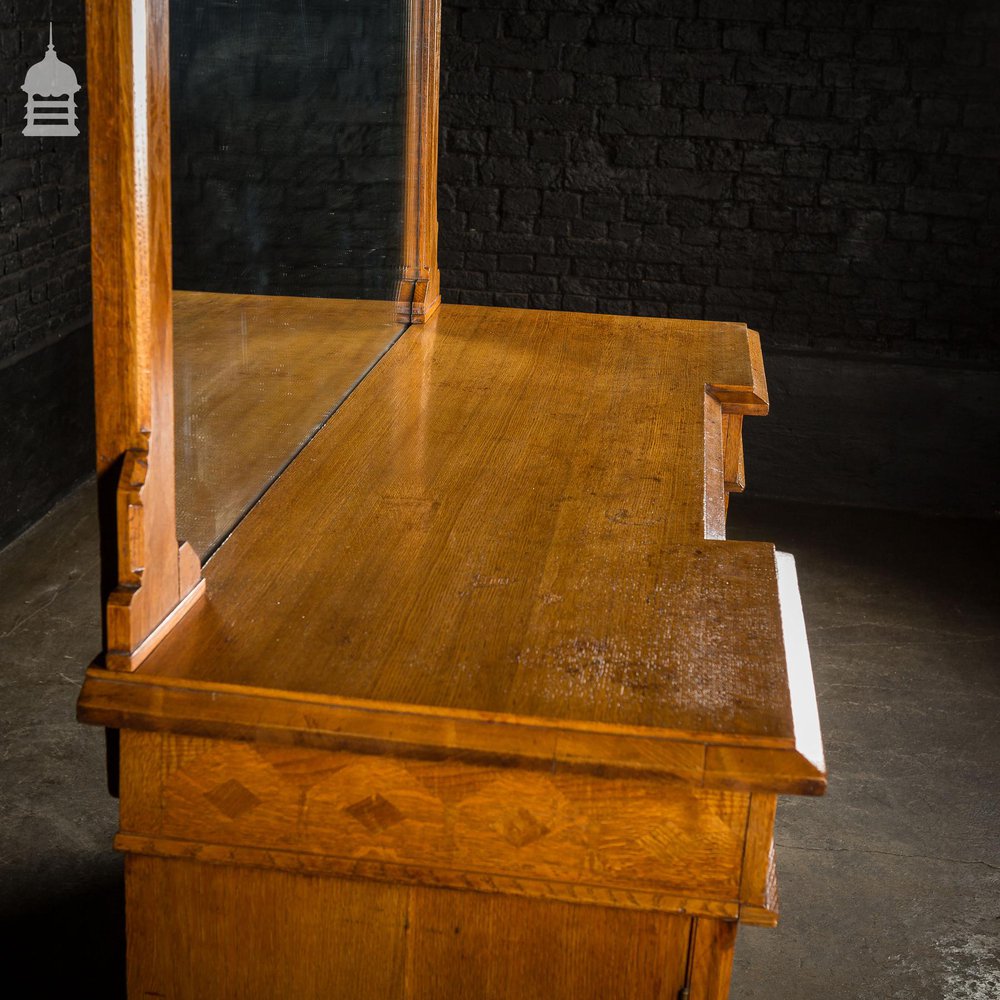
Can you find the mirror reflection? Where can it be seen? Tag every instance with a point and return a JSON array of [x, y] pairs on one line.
[[287, 149]]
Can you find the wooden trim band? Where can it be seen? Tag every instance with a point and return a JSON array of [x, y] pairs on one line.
[[300, 863]]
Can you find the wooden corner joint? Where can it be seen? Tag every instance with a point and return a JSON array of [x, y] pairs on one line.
[[417, 298], [136, 620], [127, 662]]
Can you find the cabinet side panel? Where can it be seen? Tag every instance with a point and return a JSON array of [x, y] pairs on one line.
[[230, 933], [206, 932], [465, 945]]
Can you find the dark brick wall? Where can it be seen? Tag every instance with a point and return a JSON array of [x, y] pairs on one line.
[[287, 146], [44, 224], [825, 170], [46, 388]]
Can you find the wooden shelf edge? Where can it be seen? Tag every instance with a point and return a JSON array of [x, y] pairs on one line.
[[137, 701]]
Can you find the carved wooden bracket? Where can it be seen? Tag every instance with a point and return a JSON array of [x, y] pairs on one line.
[[139, 616], [732, 433], [726, 403]]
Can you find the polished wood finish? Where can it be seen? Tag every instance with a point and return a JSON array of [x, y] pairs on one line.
[[420, 287], [479, 701], [144, 572], [254, 376], [476, 881], [480, 658], [180, 943], [662, 845], [531, 544]]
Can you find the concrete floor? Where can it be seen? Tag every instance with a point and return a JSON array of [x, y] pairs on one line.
[[890, 885]]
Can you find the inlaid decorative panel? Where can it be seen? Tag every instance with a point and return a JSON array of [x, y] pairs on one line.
[[446, 822]]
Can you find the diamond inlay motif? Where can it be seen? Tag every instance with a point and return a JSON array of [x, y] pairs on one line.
[[375, 813], [522, 829], [232, 799]]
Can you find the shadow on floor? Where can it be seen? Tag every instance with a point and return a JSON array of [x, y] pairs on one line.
[[81, 930]]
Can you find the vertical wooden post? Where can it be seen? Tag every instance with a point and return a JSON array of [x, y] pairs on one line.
[[419, 292], [713, 945], [145, 574]]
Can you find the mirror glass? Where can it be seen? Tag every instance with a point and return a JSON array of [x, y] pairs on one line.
[[287, 165]]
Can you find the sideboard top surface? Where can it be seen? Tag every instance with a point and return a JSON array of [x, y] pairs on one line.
[[504, 524]]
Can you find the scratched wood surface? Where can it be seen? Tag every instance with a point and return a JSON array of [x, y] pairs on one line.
[[229, 934], [254, 376], [629, 842], [507, 521]]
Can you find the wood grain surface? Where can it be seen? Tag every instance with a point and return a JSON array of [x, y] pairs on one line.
[[143, 573], [758, 889], [419, 293], [505, 523], [254, 376], [310, 938], [478, 660], [630, 842], [712, 950]]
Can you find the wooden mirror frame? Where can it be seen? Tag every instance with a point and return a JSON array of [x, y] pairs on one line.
[[149, 579]]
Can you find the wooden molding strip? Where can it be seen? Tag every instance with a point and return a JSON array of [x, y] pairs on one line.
[[739, 396], [302, 863]]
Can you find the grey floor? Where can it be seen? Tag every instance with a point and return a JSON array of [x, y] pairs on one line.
[[890, 884]]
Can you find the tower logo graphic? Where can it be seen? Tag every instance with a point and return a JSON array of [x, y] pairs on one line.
[[51, 88]]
